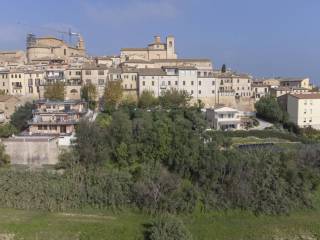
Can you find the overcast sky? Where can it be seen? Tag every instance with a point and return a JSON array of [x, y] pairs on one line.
[[261, 37]]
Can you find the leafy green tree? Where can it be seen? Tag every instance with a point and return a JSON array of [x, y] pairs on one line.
[[224, 68], [167, 228], [6, 130], [55, 91], [269, 109], [19, 119], [147, 100], [90, 144], [174, 99], [89, 94], [103, 120], [113, 95], [4, 158]]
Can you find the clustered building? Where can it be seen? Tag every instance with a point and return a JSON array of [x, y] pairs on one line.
[[228, 96], [155, 68]]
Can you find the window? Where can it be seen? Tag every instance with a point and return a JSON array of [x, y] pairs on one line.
[[212, 91], [199, 91], [30, 89], [169, 83], [78, 73], [191, 91], [101, 81], [152, 83], [100, 72], [184, 83], [170, 43], [65, 52], [192, 83], [3, 84], [143, 83], [212, 83], [88, 72], [199, 83], [176, 82], [30, 82]]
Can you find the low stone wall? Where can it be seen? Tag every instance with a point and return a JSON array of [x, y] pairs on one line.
[[34, 151]]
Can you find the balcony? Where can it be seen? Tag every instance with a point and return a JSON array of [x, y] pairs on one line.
[[17, 86], [40, 121]]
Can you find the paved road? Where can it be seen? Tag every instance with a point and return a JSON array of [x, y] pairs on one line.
[[262, 125]]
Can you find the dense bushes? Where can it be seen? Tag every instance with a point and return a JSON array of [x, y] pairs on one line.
[[164, 161], [167, 228], [78, 188]]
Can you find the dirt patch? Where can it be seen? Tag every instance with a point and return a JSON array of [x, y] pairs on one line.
[[7, 236], [89, 216]]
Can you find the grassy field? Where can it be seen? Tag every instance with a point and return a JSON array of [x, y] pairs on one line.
[[220, 225]]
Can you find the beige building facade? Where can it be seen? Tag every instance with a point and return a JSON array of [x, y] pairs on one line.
[[45, 49], [155, 50], [304, 109]]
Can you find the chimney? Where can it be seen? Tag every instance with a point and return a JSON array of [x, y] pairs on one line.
[[157, 39]]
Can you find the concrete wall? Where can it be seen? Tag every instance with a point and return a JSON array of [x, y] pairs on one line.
[[34, 151]]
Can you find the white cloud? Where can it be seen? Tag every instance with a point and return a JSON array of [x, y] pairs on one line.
[[133, 12]]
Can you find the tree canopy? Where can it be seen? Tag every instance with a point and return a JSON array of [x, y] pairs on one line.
[[269, 109], [19, 119], [147, 100], [55, 91], [113, 95], [174, 99], [224, 68], [89, 94]]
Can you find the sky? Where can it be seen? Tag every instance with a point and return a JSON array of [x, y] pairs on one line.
[[266, 38]]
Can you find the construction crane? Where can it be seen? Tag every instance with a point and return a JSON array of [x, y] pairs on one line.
[[68, 33]]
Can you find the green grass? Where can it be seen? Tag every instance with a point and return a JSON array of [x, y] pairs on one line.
[[128, 225]]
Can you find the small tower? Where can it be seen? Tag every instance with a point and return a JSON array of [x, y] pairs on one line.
[[81, 44], [171, 53]]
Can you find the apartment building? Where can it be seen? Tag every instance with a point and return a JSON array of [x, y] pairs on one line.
[[295, 82], [280, 91], [234, 84], [56, 117], [259, 90], [304, 109], [159, 80], [96, 75]]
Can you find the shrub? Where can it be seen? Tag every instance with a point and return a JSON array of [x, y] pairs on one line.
[[167, 228]]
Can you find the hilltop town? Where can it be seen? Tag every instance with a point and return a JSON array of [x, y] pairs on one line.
[[48, 63]]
